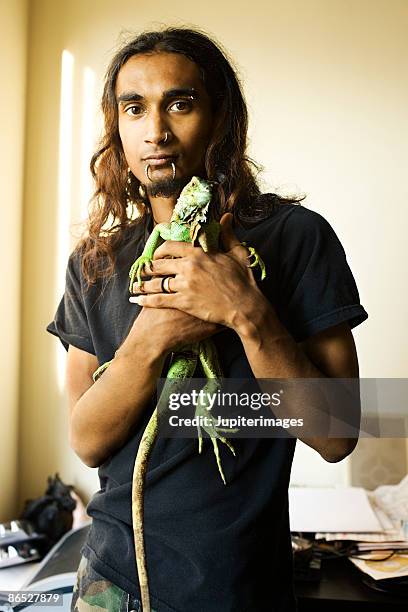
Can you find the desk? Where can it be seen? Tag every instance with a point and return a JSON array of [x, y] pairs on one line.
[[341, 588]]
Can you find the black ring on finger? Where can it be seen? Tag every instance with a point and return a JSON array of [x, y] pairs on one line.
[[163, 282]]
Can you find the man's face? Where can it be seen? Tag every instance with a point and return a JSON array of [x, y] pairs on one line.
[[158, 94]]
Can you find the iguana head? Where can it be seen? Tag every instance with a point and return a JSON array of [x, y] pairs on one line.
[[193, 202]]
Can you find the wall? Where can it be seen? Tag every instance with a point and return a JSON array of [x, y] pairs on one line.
[[13, 45], [327, 92]]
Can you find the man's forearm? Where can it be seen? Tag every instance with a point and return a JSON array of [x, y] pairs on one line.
[[105, 416], [273, 354]]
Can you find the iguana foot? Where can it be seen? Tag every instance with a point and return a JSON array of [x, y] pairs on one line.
[[215, 436], [217, 453], [136, 270], [257, 260]]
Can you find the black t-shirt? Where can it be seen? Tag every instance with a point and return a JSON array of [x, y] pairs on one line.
[[210, 547]]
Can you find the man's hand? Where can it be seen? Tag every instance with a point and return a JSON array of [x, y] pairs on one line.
[[167, 329], [212, 287]]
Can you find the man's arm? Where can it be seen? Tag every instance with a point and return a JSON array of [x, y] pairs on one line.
[[273, 353], [104, 414]]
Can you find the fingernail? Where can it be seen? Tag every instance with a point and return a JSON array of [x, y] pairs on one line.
[[135, 300]]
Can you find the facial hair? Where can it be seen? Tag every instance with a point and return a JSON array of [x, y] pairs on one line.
[[165, 188]]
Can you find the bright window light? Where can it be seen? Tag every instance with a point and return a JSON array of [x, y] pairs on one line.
[[87, 138], [64, 188]]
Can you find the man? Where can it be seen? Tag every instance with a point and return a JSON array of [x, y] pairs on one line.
[[173, 109]]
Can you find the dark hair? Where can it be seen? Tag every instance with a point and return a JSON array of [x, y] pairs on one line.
[[226, 161]]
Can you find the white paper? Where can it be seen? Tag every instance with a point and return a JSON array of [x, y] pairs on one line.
[[401, 546], [345, 509], [385, 536], [395, 567], [393, 500]]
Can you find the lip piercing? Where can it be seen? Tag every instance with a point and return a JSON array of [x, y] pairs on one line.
[[147, 168]]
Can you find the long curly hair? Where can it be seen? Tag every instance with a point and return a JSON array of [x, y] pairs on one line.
[[226, 161]]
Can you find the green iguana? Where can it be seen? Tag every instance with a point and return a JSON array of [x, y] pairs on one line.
[[188, 224]]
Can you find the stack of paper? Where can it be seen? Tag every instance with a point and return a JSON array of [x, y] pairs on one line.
[[345, 509], [381, 566], [377, 522]]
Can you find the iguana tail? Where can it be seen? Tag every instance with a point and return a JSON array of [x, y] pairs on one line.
[[182, 368]]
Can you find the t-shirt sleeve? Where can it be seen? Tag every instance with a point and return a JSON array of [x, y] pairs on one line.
[[316, 286], [70, 322]]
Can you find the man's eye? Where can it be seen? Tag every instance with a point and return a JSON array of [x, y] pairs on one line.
[[181, 105], [133, 110]]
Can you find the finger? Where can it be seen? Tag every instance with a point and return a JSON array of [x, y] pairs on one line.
[[165, 267], [228, 238], [173, 248], [156, 300], [154, 286], [146, 273]]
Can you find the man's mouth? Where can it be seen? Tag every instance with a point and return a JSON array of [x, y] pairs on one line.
[[160, 161]]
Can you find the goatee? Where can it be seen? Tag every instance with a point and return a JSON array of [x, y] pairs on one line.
[[165, 188]]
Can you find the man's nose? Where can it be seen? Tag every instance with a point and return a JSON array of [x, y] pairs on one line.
[[156, 128]]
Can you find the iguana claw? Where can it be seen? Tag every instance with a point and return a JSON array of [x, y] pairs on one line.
[[213, 431], [98, 373], [217, 453], [257, 260], [136, 270]]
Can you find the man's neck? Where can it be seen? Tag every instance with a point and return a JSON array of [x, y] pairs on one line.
[[162, 208]]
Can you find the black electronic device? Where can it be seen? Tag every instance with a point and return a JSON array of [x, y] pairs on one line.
[[19, 543]]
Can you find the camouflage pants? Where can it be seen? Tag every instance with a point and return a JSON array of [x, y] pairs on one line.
[[93, 593]]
